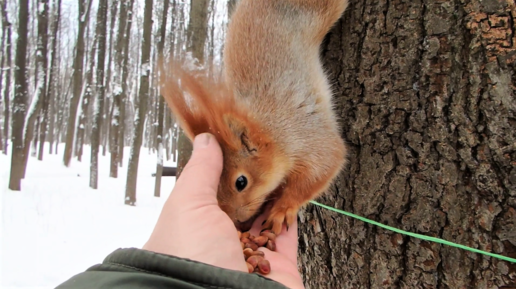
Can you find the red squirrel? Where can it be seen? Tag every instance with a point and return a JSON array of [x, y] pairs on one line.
[[271, 112]]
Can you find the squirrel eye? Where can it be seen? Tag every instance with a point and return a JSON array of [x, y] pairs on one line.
[[241, 183]]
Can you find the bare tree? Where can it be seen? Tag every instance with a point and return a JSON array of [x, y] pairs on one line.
[[6, 26], [87, 94], [143, 96], [99, 91], [50, 87], [197, 33], [41, 87], [84, 12], [20, 97], [125, 76], [161, 105]]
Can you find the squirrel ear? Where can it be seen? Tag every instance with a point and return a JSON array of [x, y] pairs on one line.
[[241, 133]]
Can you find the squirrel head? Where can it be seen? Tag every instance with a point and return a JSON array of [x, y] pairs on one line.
[[254, 165]]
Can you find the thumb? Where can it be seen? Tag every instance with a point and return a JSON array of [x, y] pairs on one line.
[[201, 175]]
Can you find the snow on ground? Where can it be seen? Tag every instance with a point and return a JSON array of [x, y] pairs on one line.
[[57, 226]]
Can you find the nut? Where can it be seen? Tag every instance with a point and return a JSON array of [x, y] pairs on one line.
[[261, 240], [248, 252], [245, 235], [271, 245], [242, 244], [239, 234], [251, 245], [250, 267], [254, 260], [269, 235]]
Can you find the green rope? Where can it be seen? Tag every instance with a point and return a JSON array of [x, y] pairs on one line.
[[419, 236]]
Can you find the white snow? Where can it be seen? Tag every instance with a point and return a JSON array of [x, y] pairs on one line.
[[57, 226]]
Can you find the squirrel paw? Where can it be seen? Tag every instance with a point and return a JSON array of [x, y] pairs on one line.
[[279, 215]]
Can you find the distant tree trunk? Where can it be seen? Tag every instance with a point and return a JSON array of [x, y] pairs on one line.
[[7, 90], [427, 99], [161, 106], [125, 76], [197, 33], [2, 62], [47, 103], [41, 87], [108, 111], [87, 95], [84, 12], [20, 97], [143, 96], [117, 90], [99, 91], [55, 106]]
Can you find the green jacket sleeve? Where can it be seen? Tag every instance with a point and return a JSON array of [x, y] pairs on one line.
[[135, 268]]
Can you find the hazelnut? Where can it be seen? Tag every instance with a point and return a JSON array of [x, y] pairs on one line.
[[271, 245], [254, 260], [250, 267], [261, 240]]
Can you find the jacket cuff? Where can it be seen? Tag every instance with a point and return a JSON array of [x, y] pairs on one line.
[[189, 271]]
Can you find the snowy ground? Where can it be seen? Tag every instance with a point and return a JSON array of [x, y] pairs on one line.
[[57, 226]]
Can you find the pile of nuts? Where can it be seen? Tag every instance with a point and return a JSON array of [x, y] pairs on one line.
[[255, 259]]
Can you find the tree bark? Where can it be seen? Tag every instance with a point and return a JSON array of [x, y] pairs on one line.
[[41, 77], [426, 95], [84, 12], [87, 95], [20, 97], [161, 105], [7, 90], [197, 32], [50, 88], [99, 91], [143, 96], [125, 76]]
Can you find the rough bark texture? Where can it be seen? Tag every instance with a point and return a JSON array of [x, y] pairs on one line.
[[87, 95], [426, 95], [143, 96], [52, 76], [8, 72], [40, 99], [161, 106], [20, 97], [125, 75], [99, 91], [197, 33], [84, 11]]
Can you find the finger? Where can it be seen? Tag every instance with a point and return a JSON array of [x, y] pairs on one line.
[[201, 175]]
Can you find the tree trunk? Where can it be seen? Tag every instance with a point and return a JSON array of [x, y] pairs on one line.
[[84, 12], [50, 93], [7, 90], [197, 33], [87, 95], [161, 106], [125, 76], [20, 97], [426, 95], [99, 91], [143, 96], [41, 86]]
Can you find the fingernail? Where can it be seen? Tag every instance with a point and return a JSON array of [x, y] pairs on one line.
[[201, 141]]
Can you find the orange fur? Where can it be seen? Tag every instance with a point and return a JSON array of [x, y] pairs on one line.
[[272, 113]]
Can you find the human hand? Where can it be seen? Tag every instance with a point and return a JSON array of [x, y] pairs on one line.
[[193, 226]]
